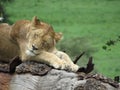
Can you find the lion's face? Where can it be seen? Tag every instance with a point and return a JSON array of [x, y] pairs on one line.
[[41, 36], [38, 40]]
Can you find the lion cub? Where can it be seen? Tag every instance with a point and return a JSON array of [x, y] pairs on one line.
[[33, 40]]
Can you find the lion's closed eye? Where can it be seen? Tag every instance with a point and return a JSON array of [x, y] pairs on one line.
[[44, 43], [36, 35]]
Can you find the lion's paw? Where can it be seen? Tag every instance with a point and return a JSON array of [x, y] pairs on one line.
[[56, 65], [60, 65], [74, 68], [65, 66]]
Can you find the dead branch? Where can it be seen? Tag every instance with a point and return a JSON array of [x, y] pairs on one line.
[[78, 57], [89, 68]]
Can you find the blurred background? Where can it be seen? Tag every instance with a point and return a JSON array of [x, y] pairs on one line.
[[90, 26]]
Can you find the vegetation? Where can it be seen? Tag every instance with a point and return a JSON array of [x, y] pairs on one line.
[[86, 26]]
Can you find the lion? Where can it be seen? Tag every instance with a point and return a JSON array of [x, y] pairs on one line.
[[33, 40]]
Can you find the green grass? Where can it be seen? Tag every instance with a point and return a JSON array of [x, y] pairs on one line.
[[95, 20]]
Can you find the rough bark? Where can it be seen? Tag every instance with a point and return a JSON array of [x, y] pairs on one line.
[[58, 80], [54, 79], [36, 76]]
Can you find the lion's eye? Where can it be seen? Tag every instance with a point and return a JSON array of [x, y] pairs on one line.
[[44, 43], [36, 35]]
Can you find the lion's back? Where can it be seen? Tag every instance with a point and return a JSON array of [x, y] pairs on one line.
[[7, 48]]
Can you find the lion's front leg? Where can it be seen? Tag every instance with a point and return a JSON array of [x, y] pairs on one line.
[[52, 60]]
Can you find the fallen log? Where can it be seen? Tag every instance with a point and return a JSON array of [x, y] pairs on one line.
[[62, 80], [32, 75]]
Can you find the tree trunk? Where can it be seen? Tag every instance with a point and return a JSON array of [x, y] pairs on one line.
[[36, 76], [47, 78], [58, 80]]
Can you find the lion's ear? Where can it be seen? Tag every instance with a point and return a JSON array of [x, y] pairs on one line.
[[58, 36], [35, 21]]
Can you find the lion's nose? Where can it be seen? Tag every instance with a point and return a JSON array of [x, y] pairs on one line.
[[34, 48]]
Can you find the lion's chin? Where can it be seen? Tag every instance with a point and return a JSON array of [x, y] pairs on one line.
[[30, 53]]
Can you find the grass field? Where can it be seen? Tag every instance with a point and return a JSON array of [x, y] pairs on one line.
[[86, 25]]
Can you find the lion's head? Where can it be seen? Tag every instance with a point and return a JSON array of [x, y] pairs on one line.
[[41, 36], [34, 36]]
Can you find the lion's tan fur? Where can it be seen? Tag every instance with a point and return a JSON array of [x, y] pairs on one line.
[[7, 47], [33, 40]]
